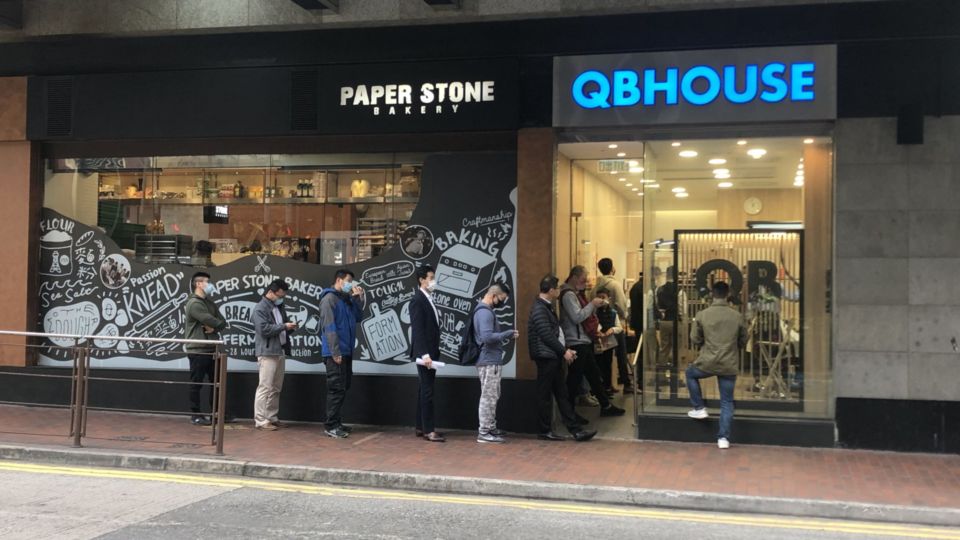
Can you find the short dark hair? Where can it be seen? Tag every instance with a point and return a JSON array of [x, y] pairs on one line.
[[422, 272], [278, 285], [721, 289], [602, 290], [196, 276], [605, 265], [502, 287], [577, 270], [342, 273], [548, 283]]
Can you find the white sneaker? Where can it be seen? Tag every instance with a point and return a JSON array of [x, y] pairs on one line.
[[698, 414], [723, 444]]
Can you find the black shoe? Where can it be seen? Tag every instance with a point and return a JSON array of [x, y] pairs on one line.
[[581, 420], [200, 420], [337, 433], [610, 392], [551, 436], [229, 419], [584, 435], [348, 429], [498, 432], [612, 410]]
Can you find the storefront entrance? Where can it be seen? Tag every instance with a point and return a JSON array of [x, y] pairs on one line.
[[675, 215]]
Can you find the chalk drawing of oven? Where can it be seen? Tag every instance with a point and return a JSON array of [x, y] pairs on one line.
[[464, 271]]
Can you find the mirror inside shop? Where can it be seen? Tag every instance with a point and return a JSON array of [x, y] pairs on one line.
[[675, 216], [211, 210]]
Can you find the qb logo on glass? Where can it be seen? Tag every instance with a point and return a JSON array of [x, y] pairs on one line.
[[699, 85]]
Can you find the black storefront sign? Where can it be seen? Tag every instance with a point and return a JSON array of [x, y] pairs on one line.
[[419, 97]]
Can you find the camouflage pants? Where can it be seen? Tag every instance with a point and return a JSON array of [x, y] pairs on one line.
[[489, 395]]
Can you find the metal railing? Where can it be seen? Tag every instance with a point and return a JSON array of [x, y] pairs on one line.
[[80, 379]]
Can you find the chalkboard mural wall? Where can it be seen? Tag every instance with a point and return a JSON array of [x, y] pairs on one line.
[[464, 226]]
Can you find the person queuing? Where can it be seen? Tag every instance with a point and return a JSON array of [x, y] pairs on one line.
[[271, 343], [610, 330], [490, 363], [545, 344], [720, 333], [618, 303], [424, 349], [341, 306], [203, 321], [580, 328]]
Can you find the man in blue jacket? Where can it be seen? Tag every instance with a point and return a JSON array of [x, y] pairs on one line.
[[341, 306], [491, 339]]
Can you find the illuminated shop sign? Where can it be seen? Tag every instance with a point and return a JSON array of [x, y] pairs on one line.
[[737, 85]]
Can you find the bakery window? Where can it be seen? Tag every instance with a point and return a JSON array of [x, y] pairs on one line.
[[211, 210]]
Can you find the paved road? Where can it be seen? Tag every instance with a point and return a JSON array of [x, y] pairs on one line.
[[40, 501]]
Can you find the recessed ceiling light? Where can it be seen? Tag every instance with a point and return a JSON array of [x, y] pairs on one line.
[[798, 183], [722, 176], [629, 184], [613, 172], [675, 144], [633, 163], [717, 161], [640, 193], [678, 190], [621, 154], [653, 186], [648, 181], [741, 142], [798, 178], [636, 170], [756, 153], [721, 171], [622, 179], [683, 195], [800, 167], [635, 189], [688, 153], [611, 146], [801, 160], [808, 141], [725, 185]]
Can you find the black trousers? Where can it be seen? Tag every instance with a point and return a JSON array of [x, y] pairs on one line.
[[605, 363], [202, 367], [425, 399], [623, 361], [585, 366], [552, 385], [339, 377]]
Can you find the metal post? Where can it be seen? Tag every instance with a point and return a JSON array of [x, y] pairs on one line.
[[220, 402], [85, 385], [74, 410], [637, 372], [79, 397]]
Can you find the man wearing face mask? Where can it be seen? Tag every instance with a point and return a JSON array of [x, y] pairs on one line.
[[203, 321], [424, 349], [491, 340], [272, 341], [341, 306]]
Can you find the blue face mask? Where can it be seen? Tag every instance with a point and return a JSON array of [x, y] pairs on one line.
[[210, 289], [278, 301], [347, 287]]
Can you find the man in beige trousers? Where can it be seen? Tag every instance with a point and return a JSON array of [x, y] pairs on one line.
[[272, 345]]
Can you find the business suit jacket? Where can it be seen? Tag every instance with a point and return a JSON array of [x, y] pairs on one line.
[[425, 337]]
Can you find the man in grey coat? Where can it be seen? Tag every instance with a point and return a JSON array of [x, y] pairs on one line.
[[272, 342]]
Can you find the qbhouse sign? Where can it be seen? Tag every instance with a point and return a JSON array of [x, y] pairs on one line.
[[730, 85]]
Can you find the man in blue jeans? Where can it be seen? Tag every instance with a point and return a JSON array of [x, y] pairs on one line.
[[719, 332]]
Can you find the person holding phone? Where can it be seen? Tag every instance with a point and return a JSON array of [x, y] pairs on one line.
[[272, 345], [341, 307]]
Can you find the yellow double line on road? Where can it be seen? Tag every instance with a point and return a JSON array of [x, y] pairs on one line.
[[850, 527]]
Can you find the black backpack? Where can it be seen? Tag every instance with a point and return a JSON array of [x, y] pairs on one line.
[[469, 351]]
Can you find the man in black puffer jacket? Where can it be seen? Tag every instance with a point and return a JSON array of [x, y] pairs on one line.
[[552, 358]]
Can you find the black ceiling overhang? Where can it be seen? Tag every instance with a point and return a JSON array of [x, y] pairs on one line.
[[11, 14], [312, 5]]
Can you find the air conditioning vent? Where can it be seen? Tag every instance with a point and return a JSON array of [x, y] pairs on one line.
[[59, 107], [303, 100]]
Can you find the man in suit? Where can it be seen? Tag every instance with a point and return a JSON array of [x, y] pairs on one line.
[[424, 349]]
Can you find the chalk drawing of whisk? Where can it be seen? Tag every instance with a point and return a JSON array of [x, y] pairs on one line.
[[262, 265]]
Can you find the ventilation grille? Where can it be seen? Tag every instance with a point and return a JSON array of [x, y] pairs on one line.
[[303, 100], [59, 107]]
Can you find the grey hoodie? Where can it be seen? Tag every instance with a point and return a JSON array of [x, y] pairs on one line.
[[572, 315]]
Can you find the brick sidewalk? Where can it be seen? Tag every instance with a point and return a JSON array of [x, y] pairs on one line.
[[764, 471]]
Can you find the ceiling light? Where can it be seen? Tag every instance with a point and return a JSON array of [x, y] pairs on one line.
[[721, 171], [688, 153], [613, 172], [621, 154], [801, 160], [725, 185], [756, 153], [717, 161], [675, 144], [776, 225], [635, 189], [653, 186], [798, 182], [808, 141], [800, 167], [629, 184], [611, 146], [640, 193], [741, 143], [682, 195], [678, 190], [636, 170], [622, 179], [633, 163], [647, 181], [722, 176]]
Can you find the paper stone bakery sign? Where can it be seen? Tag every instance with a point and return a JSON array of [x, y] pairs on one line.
[[88, 286]]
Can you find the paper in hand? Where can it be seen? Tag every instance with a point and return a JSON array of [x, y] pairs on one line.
[[434, 364]]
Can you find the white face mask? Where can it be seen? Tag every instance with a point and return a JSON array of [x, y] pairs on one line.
[[431, 285]]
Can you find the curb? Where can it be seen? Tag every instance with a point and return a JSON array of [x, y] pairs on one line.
[[650, 498]]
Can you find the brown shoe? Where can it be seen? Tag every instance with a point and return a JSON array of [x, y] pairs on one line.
[[267, 427], [434, 437]]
